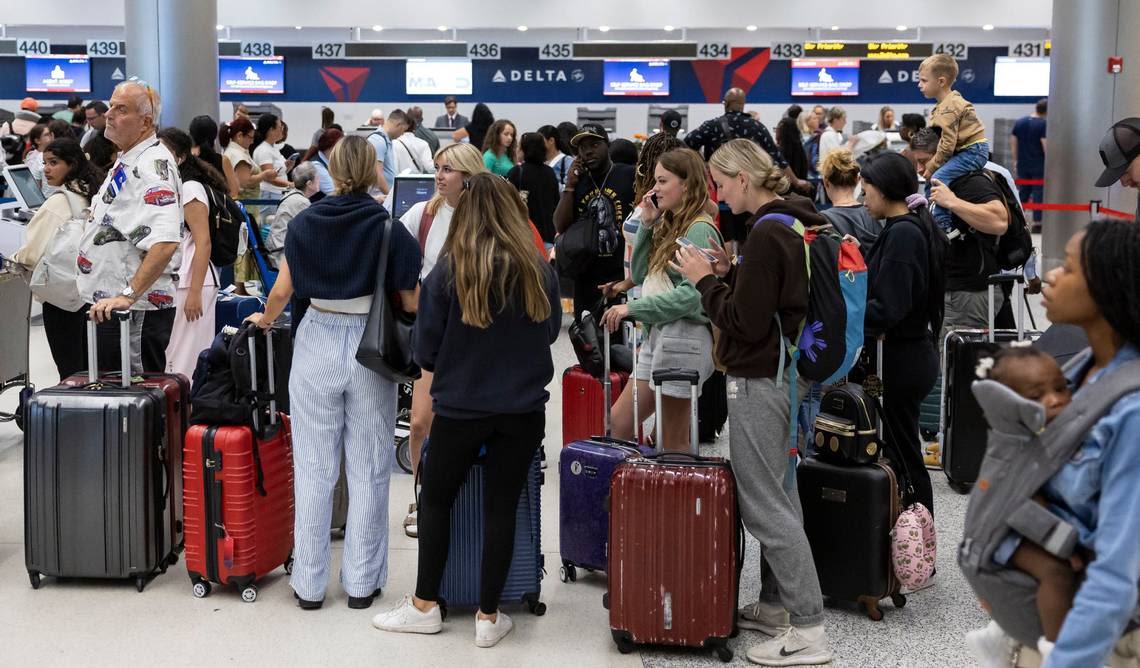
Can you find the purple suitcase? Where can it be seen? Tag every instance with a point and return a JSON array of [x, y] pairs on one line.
[[584, 470]]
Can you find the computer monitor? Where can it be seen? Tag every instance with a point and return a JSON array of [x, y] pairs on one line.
[[410, 189], [22, 185]]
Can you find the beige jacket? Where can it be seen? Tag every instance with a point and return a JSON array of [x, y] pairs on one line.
[[55, 211], [960, 128]]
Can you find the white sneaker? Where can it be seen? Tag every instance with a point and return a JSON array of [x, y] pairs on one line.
[[1044, 648], [488, 633], [991, 646], [407, 618], [771, 620], [796, 646]]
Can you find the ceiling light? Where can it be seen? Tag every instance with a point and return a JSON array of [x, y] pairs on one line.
[[297, 27], [988, 26], [441, 28], [669, 28], [377, 27], [750, 28], [835, 27], [604, 28], [522, 28], [219, 27], [900, 28]]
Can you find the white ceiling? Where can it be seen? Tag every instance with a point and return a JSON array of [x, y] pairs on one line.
[[631, 14]]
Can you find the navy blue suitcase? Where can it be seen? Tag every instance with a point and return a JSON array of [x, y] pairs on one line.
[[459, 587], [233, 309]]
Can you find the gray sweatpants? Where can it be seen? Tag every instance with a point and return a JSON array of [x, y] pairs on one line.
[[758, 418]]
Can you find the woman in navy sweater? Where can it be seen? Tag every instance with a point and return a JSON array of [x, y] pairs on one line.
[[329, 270], [490, 295]]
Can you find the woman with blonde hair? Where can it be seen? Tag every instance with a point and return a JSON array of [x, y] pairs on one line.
[[491, 292], [847, 214], [429, 222], [678, 335], [762, 301], [340, 409]]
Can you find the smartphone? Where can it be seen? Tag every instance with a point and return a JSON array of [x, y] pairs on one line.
[[653, 198], [685, 243]]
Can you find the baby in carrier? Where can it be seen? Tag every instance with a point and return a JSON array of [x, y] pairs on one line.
[[1035, 376]]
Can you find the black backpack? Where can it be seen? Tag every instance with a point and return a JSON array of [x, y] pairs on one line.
[[221, 392], [226, 220], [1015, 246], [847, 426]]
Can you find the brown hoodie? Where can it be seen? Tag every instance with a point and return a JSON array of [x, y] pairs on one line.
[[771, 277]]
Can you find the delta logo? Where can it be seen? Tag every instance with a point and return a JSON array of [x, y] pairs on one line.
[[742, 71], [345, 83]]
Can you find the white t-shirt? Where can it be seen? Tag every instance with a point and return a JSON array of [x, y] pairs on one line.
[[266, 154], [436, 236], [828, 142], [192, 191], [35, 163], [412, 155]]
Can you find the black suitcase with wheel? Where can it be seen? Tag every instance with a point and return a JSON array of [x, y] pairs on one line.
[[95, 483], [964, 426]]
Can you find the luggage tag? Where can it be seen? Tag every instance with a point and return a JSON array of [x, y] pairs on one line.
[[228, 551]]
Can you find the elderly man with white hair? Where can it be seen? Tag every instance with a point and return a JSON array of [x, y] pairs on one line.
[[130, 246], [377, 117]]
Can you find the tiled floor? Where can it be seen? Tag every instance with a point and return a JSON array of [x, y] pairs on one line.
[[96, 623]]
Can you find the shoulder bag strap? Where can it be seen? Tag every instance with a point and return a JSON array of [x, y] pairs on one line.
[[411, 155], [426, 219]]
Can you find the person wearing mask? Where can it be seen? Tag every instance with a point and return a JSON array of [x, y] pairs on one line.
[[341, 410], [319, 156], [846, 214], [204, 131], [416, 114], [886, 122], [430, 222], [499, 147], [131, 243], [328, 119], [537, 184], [265, 153], [765, 295], [832, 137], [452, 120], [597, 192], [197, 278], [677, 331], [293, 201], [1120, 152], [381, 140], [558, 152], [413, 155], [1027, 146], [978, 218], [490, 292], [476, 129], [39, 137], [66, 168], [904, 306], [671, 122], [95, 115]]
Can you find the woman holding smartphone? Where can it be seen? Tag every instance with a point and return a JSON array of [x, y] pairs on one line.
[[675, 210]]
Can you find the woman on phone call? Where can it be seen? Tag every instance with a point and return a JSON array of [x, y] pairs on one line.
[[676, 208]]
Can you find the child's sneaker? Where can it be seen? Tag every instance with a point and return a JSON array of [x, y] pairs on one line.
[[991, 646], [488, 633]]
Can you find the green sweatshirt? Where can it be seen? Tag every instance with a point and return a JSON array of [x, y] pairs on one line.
[[683, 301]]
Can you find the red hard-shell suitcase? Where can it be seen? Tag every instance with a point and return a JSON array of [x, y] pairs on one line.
[[675, 547], [582, 415], [238, 493]]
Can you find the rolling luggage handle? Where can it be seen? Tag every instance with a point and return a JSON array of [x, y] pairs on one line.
[[124, 318], [607, 382], [690, 376], [258, 432], [1018, 281]]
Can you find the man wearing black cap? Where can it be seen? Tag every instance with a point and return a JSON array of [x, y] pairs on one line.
[[599, 194], [671, 122], [1120, 152]]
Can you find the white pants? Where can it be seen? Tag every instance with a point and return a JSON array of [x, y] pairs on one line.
[[188, 338]]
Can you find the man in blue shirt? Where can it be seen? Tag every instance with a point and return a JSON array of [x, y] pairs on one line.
[[382, 139], [1027, 146]]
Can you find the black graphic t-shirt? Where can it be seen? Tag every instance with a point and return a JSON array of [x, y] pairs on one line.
[[609, 201], [710, 136]]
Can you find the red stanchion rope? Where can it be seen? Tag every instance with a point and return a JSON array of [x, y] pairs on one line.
[[1116, 214], [1029, 182], [1033, 206]]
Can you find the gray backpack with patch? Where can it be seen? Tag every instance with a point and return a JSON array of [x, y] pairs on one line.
[[1021, 456]]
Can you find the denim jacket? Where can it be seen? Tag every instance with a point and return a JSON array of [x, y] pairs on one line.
[[1098, 490]]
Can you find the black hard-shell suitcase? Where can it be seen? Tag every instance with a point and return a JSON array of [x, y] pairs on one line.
[[96, 491], [964, 426], [849, 512]]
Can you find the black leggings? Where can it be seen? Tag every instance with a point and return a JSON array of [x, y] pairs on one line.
[[511, 442], [67, 338], [156, 328], [909, 371]]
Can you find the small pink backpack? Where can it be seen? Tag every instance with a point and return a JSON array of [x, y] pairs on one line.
[[914, 546]]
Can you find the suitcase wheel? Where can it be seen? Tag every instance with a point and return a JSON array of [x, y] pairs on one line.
[[536, 606], [606, 600], [898, 600], [289, 564], [724, 652], [201, 589], [960, 487], [34, 577], [249, 594], [404, 453], [624, 642], [871, 609], [568, 573], [140, 583]]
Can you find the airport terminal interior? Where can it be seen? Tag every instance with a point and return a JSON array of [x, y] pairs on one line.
[[304, 79]]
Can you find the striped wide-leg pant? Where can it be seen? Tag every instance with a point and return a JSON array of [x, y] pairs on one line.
[[338, 406]]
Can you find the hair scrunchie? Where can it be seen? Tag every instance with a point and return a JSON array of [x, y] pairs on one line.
[[915, 202]]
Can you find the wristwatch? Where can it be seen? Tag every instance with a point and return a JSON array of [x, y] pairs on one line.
[[129, 293]]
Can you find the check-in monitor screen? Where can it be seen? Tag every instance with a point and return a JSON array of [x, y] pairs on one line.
[[411, 190], [825, 76], [636, 77], [1024, 77], [251, 75], [57, 74]]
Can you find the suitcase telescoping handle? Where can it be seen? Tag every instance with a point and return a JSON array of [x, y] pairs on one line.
[[690, 376], [607, 382], [1018, 281], [270, 370], [124, 318]]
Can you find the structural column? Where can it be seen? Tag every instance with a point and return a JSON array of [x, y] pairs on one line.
[[1084, 100], [173, 45]]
